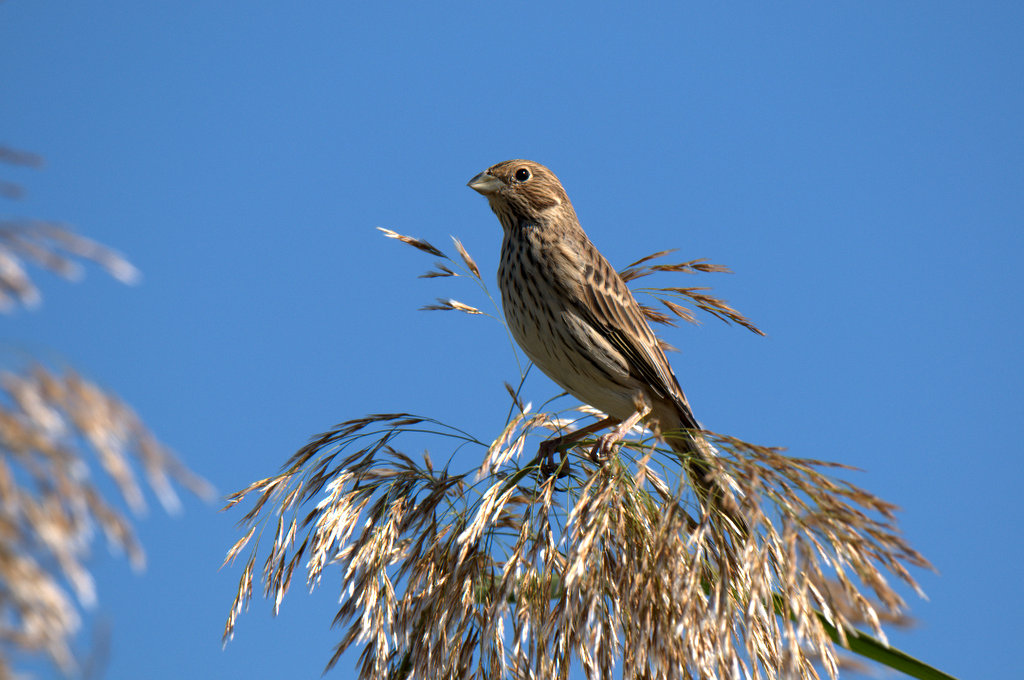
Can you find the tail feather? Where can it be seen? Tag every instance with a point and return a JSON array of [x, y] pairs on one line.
[[696, 453]]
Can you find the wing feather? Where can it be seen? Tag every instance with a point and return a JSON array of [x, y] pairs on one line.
[[606, 303]]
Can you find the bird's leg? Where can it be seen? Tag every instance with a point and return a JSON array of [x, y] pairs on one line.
[[605, 443], [549, 447]]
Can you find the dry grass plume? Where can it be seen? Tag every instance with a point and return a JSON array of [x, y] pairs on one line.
[[501, 571]]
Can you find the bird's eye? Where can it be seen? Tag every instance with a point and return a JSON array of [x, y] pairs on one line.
[[522, 174]]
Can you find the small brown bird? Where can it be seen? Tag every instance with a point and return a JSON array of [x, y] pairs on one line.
[[575, 317]]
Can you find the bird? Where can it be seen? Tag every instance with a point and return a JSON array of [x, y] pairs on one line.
[[577, 320]]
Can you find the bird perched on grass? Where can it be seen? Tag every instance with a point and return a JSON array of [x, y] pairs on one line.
[[575, 317]]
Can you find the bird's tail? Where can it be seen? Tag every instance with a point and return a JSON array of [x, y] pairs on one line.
[[697, 454]]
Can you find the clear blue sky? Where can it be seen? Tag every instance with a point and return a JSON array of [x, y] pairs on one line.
[[858, 165]]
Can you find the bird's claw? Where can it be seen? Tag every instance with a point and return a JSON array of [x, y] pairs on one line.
[[548, 451], [602, 449], [606, 443]]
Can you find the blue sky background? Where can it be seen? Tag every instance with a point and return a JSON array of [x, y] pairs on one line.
[[858, 165]]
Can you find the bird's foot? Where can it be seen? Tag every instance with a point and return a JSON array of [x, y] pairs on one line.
[[550, 447], [602, 450], [547, 452]]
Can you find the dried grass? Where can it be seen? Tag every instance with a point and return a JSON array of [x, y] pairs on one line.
[[504, 571], [52, 502], [49, 245], [53, 247], [51, 506]]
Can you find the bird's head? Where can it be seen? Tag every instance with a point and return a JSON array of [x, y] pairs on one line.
[[523, 192]]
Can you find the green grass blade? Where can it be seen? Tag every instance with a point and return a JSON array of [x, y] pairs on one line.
[[871, 648]]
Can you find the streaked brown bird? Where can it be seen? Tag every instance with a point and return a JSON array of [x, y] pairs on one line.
[[575, 317]]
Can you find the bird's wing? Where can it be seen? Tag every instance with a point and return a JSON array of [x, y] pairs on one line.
[[606, 303]]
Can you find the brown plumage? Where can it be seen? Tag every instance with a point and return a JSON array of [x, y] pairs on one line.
[[573, 315]]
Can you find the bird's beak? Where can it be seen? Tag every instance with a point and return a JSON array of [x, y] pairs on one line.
[[485, 184]]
